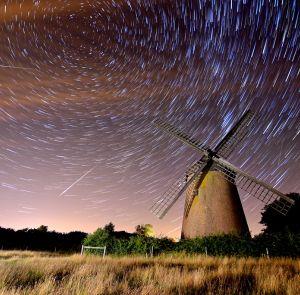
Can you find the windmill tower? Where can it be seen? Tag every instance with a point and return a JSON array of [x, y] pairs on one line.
[[212, 203]]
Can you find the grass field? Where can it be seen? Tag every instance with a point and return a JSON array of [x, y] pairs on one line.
[[44, 273]]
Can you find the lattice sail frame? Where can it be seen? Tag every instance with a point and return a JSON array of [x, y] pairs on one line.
[[194, 143], [258, 189], [235, 135], [190, 195], [162, 206]]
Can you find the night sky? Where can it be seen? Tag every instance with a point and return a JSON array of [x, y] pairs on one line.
[[80, 82]]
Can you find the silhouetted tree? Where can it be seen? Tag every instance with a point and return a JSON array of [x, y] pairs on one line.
[[110, 227], [42, 228], [276, 222]]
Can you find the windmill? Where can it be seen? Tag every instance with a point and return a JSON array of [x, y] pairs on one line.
[[212, 203]]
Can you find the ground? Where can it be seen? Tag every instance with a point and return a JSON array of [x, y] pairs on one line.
[[45, 273]]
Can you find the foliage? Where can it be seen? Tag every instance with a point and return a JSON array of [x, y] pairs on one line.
[[276, 222], [40, 239], [220, 245], [284, 244], [42, 228], [98, 239], [144, 230], [110, 227], [121, 243]]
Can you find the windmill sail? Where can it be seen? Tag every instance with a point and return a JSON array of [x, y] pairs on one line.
[[191, 193], [253, 186], [182, 136], [192, 190], [235, 135], [163, 205]]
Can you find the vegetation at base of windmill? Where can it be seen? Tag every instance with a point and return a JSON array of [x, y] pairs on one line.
[[281, 237], [219, 245], [281, 234], [284, 244], [275, 222], [279, 244]]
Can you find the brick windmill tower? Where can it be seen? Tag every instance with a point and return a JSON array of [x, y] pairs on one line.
[[212, 202]]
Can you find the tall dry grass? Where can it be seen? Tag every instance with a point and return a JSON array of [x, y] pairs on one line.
[[39, 273]]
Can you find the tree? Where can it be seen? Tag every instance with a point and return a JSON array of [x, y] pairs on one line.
[[42, 228], [145, 230], [276, 222], [98, 238], [110, 227]]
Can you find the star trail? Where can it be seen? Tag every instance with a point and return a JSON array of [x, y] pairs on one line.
[[80, 82]]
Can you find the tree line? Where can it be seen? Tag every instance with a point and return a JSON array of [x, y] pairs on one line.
[[40, 239], [280, 237]]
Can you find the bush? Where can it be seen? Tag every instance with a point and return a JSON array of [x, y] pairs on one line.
[[221, 245], [124, 244], [279, 244], [286, 244]]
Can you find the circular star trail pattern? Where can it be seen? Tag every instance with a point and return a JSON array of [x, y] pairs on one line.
[[82, 80]]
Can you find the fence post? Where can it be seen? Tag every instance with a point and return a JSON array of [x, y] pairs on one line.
[[267, 252], [206, 251], [151, 251], [104, 252], [81, 253]]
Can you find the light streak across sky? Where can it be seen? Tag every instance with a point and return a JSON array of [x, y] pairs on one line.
[[75, 182]]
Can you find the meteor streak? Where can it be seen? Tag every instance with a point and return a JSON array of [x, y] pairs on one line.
[[78, 180]]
